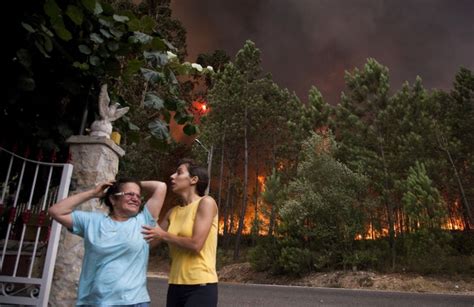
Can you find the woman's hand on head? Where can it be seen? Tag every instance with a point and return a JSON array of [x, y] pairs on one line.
[[100, 188], [62, 211]]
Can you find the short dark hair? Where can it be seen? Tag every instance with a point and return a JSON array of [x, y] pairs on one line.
[[116, 188], [199, 171]]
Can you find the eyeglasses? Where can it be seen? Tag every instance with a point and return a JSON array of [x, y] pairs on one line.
[[128, 194]]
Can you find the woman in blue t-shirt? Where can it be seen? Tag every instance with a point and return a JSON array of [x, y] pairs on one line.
[[115, 254]]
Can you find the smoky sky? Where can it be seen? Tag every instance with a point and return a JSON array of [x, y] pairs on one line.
[[308, 43]]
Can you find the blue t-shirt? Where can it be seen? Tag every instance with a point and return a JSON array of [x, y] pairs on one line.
[[115, 259]]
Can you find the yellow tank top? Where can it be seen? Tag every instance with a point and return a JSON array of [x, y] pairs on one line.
[[187, 267]]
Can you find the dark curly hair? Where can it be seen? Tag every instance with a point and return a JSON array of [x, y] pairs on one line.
[[116, 188], [196, 170]]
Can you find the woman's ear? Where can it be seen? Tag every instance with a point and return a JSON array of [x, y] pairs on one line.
[[194, 180], [112, 199]]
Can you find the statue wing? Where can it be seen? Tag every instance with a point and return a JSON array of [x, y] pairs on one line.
[[104, 101], [118, 113]]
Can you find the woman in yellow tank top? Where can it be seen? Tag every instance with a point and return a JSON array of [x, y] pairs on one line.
[[191, 233]]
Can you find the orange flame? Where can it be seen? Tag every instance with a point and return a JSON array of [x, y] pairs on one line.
[[249, 220], [261, 180], [371, 233], [280, 166], [199, 108], [455, 222]]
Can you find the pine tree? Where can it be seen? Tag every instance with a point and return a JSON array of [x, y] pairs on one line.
[[426, 244], [323, 211]]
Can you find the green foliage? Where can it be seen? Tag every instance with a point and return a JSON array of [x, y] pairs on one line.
[[427, 250], [217, 59], [274, 193], [462, 242], [423, 204], [457, 113], [360, 130], [323, 211], [248, 61], [261, 257], [63, 51], [414, 149], [383, 136], [294, 260], [426, 245], [317, 113], [361, 259], [253, 117]]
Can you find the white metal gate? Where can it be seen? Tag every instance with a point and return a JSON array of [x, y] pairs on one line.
[[28, 237]]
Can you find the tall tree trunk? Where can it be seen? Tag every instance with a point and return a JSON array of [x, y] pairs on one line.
[[229, 196], [221, 174], [467, 215], [231, 217], [244, 190], [271, 225], [390, 209], [401, 223], [391, 228], [255, 199]]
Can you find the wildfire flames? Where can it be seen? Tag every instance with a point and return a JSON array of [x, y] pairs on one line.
[[261, 181], [249, 221], [371, 233], [249, 218], [456, 224]]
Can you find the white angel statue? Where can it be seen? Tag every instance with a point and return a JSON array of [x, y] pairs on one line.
[[108, 114]]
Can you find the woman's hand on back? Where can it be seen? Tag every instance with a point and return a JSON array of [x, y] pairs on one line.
[[152, 233]]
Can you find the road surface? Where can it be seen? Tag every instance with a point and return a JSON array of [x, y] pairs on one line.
[[242, 295]]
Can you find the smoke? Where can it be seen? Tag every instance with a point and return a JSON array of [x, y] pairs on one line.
[[312, 42]]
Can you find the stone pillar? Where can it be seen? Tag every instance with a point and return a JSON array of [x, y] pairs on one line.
[[95, 160]]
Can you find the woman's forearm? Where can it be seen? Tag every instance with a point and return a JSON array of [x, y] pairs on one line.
[[156, 191], [191, 244], [149, 187], [67, 205]]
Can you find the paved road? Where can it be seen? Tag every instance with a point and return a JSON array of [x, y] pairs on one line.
[[242, 295]]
